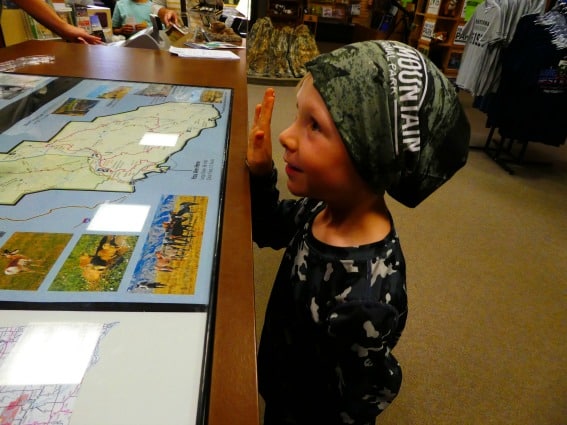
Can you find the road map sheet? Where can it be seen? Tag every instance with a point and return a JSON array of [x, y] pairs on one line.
[[101, 367], [110, 190], [33, 397]]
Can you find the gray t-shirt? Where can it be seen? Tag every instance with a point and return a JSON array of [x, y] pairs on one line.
[[483, 30]]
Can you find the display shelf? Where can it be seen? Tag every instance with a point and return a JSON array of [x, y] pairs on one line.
[[436, 31], [311, 22], [340, 11], [310, 12], [284, 12]]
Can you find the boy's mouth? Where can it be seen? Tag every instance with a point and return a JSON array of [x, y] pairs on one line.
[[291, 166], [291, 169]]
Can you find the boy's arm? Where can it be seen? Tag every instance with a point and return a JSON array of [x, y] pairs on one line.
[[263, 175], [259, 152], [273, 220], [370, 376]]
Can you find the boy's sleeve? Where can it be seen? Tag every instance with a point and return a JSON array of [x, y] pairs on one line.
[[363, 333], [273, 221]]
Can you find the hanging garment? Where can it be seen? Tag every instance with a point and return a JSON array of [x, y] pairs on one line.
[[489, 31], [532, 100], [483, 30], [554, 22]]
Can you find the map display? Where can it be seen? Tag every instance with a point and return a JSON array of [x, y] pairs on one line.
[[110, 191]]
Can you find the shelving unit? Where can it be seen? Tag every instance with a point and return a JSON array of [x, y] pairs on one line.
[[339, 11], [437, 29], [312, 12]]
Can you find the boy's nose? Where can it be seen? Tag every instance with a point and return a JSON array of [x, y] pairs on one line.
[[286, 138]]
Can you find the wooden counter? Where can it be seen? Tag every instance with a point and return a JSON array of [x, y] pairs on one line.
[[233, 389]]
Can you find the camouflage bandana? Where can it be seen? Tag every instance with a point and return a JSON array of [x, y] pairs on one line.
[[398, 115]]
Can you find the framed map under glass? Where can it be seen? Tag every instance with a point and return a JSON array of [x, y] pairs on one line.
[[111, 199], [110, 193]]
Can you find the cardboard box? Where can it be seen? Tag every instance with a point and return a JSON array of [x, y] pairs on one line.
[[433, 7], [103, 13], [327, 11], [428, 29], [460, 37]]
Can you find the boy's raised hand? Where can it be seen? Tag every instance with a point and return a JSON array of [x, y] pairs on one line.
[[259, 153]]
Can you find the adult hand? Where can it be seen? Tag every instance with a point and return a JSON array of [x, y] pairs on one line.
[[259, 152], [78, 35], [168, 17]]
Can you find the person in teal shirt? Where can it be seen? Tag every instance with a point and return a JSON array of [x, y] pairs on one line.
[[131, 16]]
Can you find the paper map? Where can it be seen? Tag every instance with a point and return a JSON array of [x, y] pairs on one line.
[[37, 404], [105, 154]]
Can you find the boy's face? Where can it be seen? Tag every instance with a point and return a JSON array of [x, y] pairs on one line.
[[317, 162]]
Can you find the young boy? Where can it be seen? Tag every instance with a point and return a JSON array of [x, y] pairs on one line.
[[131, 16], [371, 117]]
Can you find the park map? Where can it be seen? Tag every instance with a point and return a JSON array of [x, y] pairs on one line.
[[72, 148], [104, 153]]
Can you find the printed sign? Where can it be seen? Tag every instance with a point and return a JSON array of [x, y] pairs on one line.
[[433, 7], [428, 29], [460, 37]]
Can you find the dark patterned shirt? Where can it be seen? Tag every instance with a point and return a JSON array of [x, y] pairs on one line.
[[333, 317]]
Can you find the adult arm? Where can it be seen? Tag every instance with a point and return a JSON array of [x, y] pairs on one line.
[[46, 16]]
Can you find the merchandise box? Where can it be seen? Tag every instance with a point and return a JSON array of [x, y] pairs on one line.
[[327, 11], [103, 13], [355, 9], [428, 29], [455, 60], [433, 7], [81, 17], [65, 12], [460, 37]]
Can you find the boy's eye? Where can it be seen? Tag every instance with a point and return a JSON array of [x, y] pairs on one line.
[[315, 125]]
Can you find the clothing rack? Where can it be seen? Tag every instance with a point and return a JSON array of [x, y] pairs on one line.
[[526, 101], [508, 151]]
